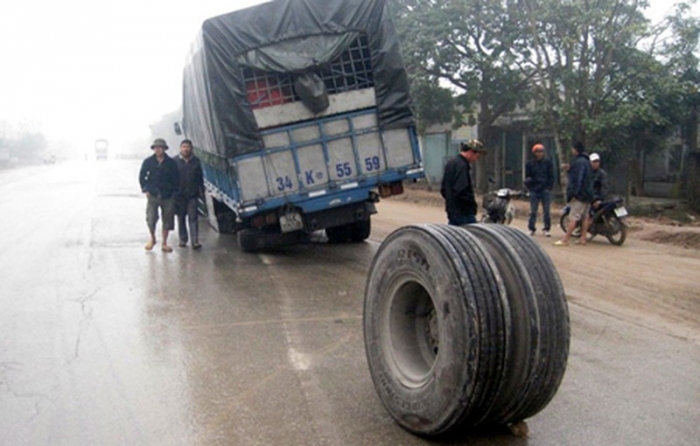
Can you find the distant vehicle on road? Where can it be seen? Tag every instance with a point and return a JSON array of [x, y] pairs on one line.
[[300, 113], [101, 149]]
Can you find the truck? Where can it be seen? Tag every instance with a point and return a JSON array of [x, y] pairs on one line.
[[300, 113], [101, 149]]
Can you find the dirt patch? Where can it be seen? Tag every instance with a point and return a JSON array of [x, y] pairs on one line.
[[421, 195], [671, 235], [672, 228]]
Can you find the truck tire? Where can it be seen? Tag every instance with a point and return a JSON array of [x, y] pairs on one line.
[[352, 232], [338, 234], [546, 306], [249, 240], [220, 216], [454, 324], [253, 240], [360, 230]]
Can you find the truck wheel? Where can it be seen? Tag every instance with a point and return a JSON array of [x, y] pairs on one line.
[[360, 230], [252, 240], [338, 234], [352, 232], [538, 311], [424, 329], [455, 327], [220, 216], [249, 240]]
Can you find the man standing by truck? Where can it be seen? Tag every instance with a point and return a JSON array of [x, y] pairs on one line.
[[159, 179], [457, 188], [191, 190]]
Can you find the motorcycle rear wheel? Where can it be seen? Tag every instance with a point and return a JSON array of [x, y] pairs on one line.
[[564, 222], [616, 231]]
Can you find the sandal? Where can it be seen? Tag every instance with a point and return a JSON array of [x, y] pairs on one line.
[[149, 246], [560, 243], [166, 248]]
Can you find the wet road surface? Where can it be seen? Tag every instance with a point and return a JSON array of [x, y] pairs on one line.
[[104, 343]]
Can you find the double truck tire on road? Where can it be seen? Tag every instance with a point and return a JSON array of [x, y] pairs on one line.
[[464, 327]]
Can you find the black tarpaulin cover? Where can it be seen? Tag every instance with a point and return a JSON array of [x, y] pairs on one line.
[[283, 36]]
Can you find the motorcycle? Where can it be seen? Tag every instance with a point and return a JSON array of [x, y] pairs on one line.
[[608, 220], [497, 206]]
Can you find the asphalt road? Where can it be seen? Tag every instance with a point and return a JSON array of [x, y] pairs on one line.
[[102, 343]]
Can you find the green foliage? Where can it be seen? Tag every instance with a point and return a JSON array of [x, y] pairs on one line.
[[432, 104], [595, 71], [474, 47], [682, 50], [595, 83]]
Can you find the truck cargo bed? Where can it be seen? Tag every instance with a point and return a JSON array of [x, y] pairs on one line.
[[317, 159]]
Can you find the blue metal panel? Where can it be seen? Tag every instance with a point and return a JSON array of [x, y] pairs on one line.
[[332, 197], [307, 194]]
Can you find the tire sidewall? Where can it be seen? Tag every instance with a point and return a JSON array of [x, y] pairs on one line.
[[430, 406]]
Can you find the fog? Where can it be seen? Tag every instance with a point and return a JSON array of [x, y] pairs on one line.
[[79, 70]]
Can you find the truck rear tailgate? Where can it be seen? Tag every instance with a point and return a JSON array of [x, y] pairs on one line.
[[324, 156]]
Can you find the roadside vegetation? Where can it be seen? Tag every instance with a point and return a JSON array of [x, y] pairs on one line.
[[600, 72]]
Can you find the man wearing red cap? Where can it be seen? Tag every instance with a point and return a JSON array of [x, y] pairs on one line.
[[539, 179]]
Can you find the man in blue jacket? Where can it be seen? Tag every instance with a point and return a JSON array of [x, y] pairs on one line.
[[539, 179], [579, 193], [160, 180]]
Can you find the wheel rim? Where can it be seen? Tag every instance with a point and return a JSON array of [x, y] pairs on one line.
[[413, 333], [614, 228]]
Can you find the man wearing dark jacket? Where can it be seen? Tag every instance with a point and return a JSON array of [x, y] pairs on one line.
[[191, 188], [579, 193], [600, 181], [159, 179], [539, 179], [457, 188]]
